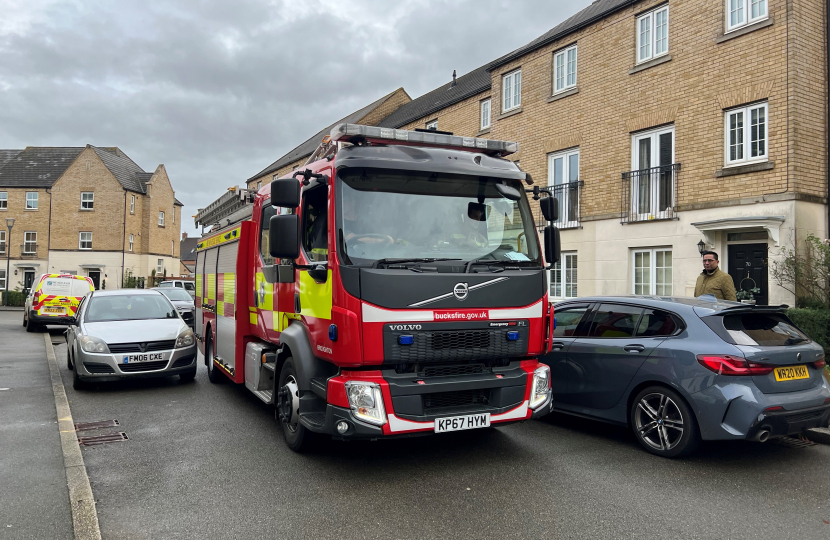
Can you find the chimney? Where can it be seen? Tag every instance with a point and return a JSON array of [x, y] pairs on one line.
[[184, 236], [453, 79]]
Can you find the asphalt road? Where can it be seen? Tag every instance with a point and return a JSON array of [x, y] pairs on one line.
[[207, 461]]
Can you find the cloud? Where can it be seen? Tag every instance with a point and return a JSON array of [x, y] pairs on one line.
[[218, 90]]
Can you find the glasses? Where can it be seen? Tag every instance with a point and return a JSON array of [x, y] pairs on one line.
[[709, 260]]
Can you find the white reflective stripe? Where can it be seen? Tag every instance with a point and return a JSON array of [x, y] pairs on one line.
[[397, 425], [375, 314], [530, 312]]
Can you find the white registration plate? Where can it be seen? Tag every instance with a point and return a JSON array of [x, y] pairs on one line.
[[458, 423], [136, 358]]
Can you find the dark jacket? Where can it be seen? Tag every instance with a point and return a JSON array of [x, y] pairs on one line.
[[718, 283]]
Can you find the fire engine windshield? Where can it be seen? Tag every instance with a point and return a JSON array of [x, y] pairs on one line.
[[402, 215]]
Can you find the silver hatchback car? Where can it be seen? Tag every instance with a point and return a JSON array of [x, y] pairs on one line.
[[127, 334]]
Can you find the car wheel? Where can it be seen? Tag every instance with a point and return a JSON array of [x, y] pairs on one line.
[[187, 377], [24, 319], [297, 437], [215, 374], [69, 357], [663, 424], [32, 326], [77, 383]]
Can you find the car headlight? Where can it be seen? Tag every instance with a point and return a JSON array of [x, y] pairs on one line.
[[540, 392], [185, 339], [94, 345], [366, 402]]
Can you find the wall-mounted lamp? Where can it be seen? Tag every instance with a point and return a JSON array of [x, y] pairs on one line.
[[701, 247]]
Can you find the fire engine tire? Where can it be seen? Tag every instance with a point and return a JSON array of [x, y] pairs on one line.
[[215, 374], [287, 399]]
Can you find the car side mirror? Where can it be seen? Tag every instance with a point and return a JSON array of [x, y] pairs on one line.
[[284, 235], [285, 192], [550, 208], [552, 245], [71, 321]]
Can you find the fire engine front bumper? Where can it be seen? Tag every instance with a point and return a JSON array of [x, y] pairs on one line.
[[413, 405]]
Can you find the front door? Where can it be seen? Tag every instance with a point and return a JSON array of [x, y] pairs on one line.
[[28, 279], [95, 276], [748, 268]]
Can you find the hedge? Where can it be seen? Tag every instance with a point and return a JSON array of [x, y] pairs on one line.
[[16, 298], [815, 323]]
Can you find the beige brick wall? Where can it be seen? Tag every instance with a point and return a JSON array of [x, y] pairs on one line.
[[105, 221], [158, 240], [25, 220]]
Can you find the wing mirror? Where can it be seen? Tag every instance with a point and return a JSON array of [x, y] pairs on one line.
[[552, 245], [284, 235], [71, 321], [285, 192], [550, 208]]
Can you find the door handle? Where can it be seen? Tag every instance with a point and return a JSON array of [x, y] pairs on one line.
[[634, 348], [557, 346]]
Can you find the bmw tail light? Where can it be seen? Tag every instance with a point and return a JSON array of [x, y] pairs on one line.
[[820, 363], [732, 365]]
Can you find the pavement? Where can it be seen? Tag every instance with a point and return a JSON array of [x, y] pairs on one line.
[[208, 461]]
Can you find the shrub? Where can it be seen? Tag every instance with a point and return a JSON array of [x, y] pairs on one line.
[[815, 323], [16, 298], [806, 273]]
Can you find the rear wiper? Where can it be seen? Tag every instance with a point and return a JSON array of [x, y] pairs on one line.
[[793, 341]]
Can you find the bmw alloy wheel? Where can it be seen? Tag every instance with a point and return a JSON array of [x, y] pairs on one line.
[[659, 421]]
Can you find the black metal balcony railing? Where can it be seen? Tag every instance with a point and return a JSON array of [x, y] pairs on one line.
[[568, 195], [649, 194], [28, 250]]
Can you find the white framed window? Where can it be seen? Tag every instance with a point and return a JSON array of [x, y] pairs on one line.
[[259, 185], [161, 219], [747, 131], [160, 266], [132, 204], [4, 200], [131, 242], [3, 279], [31, 200], [87, 200], [511, 91], [485, 114], [2, 241], [85, 240], [29, 242], [652, 177], [653, 34], [741, 13], [433, 125], [652, 271], [563, 177], [563, 277], [564, 70]]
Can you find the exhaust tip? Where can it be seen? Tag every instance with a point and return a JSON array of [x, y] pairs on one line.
[[763, 436]]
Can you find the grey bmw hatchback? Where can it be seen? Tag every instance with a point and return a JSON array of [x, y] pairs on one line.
[[681, 370]]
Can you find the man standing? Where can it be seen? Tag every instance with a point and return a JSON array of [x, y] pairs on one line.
[[713, 280]]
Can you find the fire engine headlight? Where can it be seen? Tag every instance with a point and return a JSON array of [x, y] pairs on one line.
[[185, 338], [366, 402], [94, 345], [540, 392]]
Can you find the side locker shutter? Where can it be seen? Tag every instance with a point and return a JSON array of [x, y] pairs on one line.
[[226, 303], [200, 290]]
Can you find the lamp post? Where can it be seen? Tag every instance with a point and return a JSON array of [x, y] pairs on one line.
[[701, 247], [9, 224]]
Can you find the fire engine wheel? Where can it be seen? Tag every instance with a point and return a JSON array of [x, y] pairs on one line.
[[297, 437], [215, 374]]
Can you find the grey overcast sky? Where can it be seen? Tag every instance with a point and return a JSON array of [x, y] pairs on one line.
[[216, 89]]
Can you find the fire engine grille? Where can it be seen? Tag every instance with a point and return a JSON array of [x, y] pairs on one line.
[[95, 367], [450, 371], [461, 340], [454, 345], [150, 346], [443, 400], [143, 366]]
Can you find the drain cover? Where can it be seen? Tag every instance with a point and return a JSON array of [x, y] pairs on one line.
[[102, 439], [86, 426], [794, 442]]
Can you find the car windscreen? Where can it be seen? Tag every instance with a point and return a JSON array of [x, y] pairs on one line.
[[129, 307], [761, 329], [64, 287], [403, 215], [176, 294]]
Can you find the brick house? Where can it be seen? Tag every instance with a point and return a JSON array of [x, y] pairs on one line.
[[85, 210], [660, 125], [368, 115]]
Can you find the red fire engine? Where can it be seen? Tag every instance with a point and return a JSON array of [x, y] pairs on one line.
[[395, 285]]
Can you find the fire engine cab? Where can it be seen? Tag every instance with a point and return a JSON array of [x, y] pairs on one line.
[[394, 285]]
